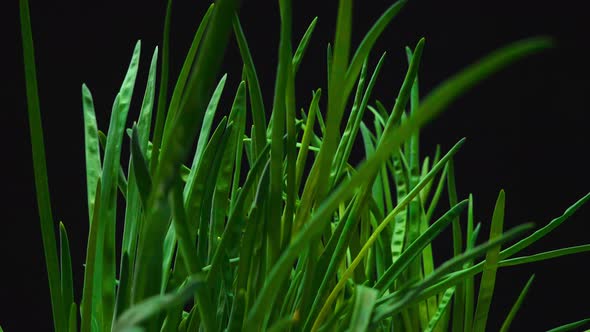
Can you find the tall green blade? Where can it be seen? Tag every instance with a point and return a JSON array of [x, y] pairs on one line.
[[91, 148], [442, 308], [89, 312], [107, 214], [40, 168], [163, 89], [364, 301], [67, 283], [132, 207], [302, 47], [256, 101], [488, 278], [192, 106], [163, 128]]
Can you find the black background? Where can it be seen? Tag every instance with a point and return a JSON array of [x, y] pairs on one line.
[[527, 127]]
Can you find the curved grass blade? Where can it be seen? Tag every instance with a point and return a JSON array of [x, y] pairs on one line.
[[140, 168], [220, 212], [469, 282], [416, 247], [442, 307], [283, 324], [355, 119], [307, 135], [302, 47], [107, 214], [164, 86], [91, 148], [458, 320], [233, 228], [366, 45], [67, 283], [90, 312], [123, 290], [256, 101], [188, 120], [540, 233], [570, 326], [40, 168], [278, 130], [506, 325], [544, 255], [72, 318], [155, 304], [207, 124], [488, 278], [179, 88], [189, 255], [133, 198], [362, 309]]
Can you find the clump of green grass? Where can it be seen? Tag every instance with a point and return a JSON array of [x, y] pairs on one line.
[[270, 227]]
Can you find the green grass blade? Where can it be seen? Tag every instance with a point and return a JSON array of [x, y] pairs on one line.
[[540, 233], [89, 312], [188, 120], [155, 304], [92, 148], [302, 47], [256, 101], [544, 255], [570, 326], [366, 45], [291, 157], [107, 214], [442, 307], [133, 197], [221, 197], [356, 115], [207, 124], [307, 135], [40, 168], [364, 301], [140, 168], [406, 90], [247, 254], [67, 283], [458, 320], [232, 228], [72, 318], [416, 247], [283, 324], [488, 278], [161, 135], [123, 289], [164, 86], [147, 105], [400, 223], [188, 253], [516, 306], [278, 130], [469, 282]]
